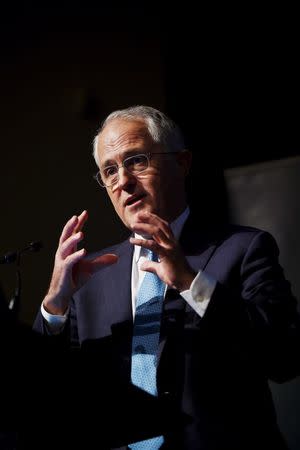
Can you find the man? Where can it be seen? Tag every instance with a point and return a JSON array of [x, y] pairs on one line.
[[227, 321]]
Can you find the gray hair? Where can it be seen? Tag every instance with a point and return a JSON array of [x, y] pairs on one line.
[[161, 128]]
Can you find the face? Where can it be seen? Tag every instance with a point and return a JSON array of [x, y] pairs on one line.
[[159, 189]]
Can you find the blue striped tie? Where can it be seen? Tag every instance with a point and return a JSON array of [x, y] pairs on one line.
[[145, 341]]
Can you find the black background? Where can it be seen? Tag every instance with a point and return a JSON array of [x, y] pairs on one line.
[[228, 74]]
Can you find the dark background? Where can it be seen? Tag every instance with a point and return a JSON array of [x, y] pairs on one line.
[[229, 75]]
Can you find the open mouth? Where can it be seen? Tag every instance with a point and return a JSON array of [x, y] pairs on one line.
[[134, 199]]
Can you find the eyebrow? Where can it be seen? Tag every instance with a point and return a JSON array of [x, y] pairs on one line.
[[126, 154]]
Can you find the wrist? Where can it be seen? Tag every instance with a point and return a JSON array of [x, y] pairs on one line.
[[184, 282], [55, 305]]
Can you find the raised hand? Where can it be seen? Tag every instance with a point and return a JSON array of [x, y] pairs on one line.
[[71, 271], [172, 268]]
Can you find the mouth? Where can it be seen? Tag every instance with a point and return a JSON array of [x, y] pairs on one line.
[[133, 199]]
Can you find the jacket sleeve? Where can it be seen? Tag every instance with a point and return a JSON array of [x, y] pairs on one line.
[[259, 312]]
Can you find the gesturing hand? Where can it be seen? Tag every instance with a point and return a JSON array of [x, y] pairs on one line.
[[71, 270], [172, 268]]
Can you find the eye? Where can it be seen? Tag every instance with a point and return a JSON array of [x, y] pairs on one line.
[[110, 171], [138, 159], [136, 162]]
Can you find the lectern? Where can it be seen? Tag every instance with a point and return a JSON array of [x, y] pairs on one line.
[[53, 399]]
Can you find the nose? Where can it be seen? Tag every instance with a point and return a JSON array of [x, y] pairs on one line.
[[125, 179]]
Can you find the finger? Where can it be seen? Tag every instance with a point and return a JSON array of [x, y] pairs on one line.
[[149, 266], [150, 218], [144, 228], [150, 244], [75, 223], [69, 246], [82, 218], [156, 233], [146, 216], [163, 240], [74, 258], [150, 229], [68, 229]]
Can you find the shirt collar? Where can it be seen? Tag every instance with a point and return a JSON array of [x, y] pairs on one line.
[[176, 227]]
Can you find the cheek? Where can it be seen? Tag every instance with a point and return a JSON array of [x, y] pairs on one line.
[[118, 207], [156, 195], [153, 183]]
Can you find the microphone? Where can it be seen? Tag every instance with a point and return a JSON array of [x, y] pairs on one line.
[[15, 256], [11, 257]]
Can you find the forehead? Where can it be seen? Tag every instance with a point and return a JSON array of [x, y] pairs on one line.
[[121, 136]]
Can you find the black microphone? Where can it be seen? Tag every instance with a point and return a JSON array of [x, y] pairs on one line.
[[8, 258], [11, 257], [15, 256], [34, 246]]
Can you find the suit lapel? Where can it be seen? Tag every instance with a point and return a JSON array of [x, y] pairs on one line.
[[119, 290], [198, 246], [121, 329]]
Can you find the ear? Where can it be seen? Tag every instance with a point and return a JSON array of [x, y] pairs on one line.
[[184, 160]]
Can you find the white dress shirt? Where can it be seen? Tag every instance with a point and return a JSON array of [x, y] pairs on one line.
[[197, 296]]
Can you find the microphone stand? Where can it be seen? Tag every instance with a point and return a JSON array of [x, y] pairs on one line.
[[15, 256], [16, 345], [14, 304]]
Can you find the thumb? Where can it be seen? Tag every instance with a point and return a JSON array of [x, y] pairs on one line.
[[103, 261]]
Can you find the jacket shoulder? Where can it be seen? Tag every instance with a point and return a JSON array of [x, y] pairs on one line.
[[245, 234]]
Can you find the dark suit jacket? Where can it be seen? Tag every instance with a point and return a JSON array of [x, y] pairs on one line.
[[214, 369]]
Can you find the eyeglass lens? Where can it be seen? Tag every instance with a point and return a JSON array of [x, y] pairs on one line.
[[133, 164]]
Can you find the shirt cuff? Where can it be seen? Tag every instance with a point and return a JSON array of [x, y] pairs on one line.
[[55, 323], [200, 292]]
